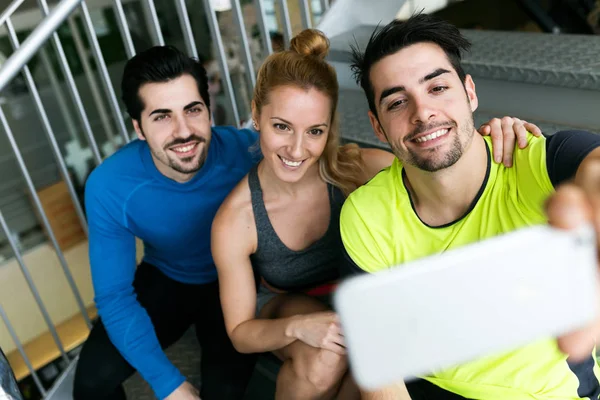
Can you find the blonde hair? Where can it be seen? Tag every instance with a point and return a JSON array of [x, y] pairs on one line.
[[304, 66]]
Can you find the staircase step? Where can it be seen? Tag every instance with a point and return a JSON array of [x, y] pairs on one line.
[[569, 61]]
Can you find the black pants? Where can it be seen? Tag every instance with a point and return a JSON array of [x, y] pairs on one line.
[[173, 307]]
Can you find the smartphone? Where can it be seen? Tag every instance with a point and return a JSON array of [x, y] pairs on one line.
[[491, 296]]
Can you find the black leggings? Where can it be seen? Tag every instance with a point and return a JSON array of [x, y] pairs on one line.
[[172, 307]]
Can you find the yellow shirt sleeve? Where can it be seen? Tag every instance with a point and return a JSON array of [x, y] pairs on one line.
[[531, 174], [358, 234]]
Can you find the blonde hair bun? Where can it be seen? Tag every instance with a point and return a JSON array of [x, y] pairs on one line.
[[310, 42]]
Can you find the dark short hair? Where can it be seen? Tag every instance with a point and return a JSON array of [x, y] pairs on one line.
[[156, 65], [397, 35]]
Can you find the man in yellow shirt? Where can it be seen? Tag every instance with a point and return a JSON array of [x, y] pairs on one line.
[[444, 191]]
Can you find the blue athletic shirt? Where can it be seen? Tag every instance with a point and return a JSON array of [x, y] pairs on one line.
[[127, 197]]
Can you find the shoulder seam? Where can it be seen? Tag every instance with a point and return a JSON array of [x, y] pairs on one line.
[[139, 186]]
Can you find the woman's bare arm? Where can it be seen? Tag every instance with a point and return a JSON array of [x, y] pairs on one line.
[[233, 240]]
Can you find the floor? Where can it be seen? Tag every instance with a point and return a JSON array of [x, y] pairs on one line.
[[185, 354]]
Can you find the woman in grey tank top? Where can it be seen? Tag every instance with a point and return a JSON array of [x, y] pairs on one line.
[[276, 240]]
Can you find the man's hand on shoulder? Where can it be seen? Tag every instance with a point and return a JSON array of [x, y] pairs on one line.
[[185, 391], [507, 133]]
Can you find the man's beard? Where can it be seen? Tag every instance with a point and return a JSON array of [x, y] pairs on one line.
[[436, 162], [183, 165]]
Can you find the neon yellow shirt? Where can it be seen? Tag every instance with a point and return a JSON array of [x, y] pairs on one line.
[[380, 229]]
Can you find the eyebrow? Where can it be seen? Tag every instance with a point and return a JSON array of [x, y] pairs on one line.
[[396, 89], [160, 111], [192, 104], [166, 110], [434, 74], [289, 123]]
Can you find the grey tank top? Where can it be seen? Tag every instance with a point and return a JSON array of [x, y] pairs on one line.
[[286, 269]]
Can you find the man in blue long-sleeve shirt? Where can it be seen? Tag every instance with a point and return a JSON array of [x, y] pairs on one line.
[[164, 189]]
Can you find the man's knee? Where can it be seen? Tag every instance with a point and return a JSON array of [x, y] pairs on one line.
[[324, 369]]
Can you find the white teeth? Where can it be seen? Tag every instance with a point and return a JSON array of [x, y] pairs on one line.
[[432, 136], [184, 149], [291, 163]]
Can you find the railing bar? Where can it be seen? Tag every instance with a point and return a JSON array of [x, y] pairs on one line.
[[89, 30], [186, 28], [42, 215], [324, 7], [48, 129], [305, 14], [60, 97], [124, 28], [238, 16], [70, 81], [33, 288], [216, 33], [87, 128], [90, 76], [21, 349], [157, 36], [287, 25], [264, 30], [12, 7], [34, 41]]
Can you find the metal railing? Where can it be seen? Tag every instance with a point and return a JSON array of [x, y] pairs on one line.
[[63, 14]]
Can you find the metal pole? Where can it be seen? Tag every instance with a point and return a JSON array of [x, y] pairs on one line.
[[153, 23], [264, 30], [12, 7], [239, 19], [35, 40], [15, 338], [34, 291], [324, 6], [305, 14], [60, 97], [186, 28], [287, 25], [89, 30], [48, 129], [91, 79], [216, 34], [70, 81], [42, 214], [124, 28]]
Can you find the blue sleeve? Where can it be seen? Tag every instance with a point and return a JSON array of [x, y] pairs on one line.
[[113, 265], [249, 144], [249, 136]]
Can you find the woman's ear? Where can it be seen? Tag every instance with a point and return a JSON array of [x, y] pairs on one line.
[[255, 119]]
